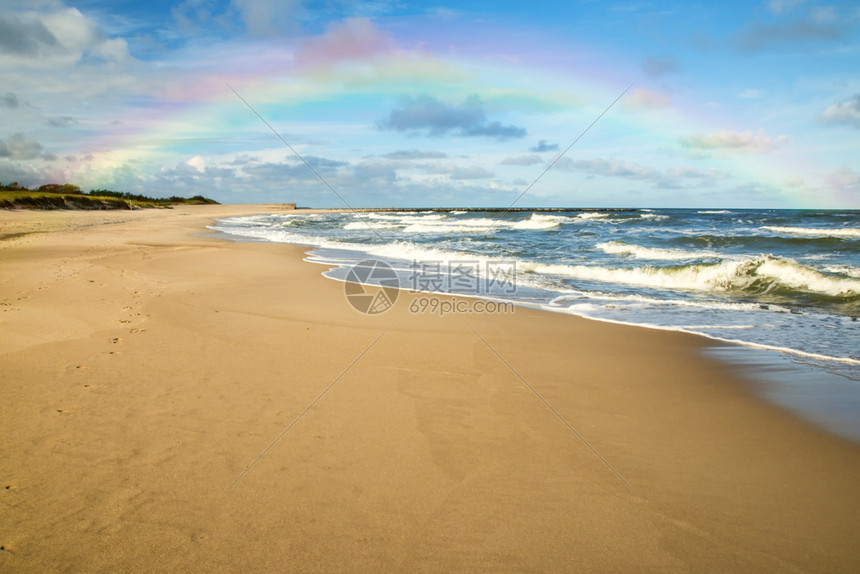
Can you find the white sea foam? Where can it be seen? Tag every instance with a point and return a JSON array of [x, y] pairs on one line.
[[718, 277], [402, 216], [848, 270], [759, 274], [589, 216], [803, 278], [714, 211], [442, 224], [540, 221], [654, 216], [652, 253], [815, 232], [364, 225], [589, 313], [612, 298], [536, 221]]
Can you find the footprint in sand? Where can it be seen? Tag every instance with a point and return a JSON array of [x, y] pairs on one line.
[[77, 369]]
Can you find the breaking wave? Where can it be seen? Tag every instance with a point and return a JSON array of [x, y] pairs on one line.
[[764, 275], [652, 253], [815, 232]]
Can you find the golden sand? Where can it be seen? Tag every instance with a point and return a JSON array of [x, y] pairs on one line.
[[176, 402]]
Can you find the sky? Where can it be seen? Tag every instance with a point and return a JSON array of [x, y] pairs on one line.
[[439, 104]]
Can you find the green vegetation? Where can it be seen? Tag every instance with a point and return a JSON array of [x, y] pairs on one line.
[[70, 196]]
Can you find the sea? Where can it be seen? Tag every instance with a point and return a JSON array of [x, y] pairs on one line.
[[783, 286]]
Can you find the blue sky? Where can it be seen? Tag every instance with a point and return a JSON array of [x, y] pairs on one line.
[[435, 104]]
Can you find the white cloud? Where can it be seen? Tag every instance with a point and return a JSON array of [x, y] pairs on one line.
[[734, 141], [9, 100], [824, 15], [844, 179], [542, 146], [846, 112], [670, 177], [610, 167], [413, 154], [266, 17], [197, 163], [817, 25], [57, 38], [20, 147], [461, 173], [780, 6], [530, 159], [353, 39], [458, 172], [427, 114]]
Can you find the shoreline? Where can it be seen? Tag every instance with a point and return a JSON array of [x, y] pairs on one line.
[[153, 363], [775, 364], [786, 346], [763, 367]]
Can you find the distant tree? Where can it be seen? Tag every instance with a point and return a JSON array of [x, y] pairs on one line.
[[50, 188], [70, 188], [57, 188], [65, 190]]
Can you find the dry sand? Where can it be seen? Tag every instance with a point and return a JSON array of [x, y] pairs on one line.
[[144, 366]]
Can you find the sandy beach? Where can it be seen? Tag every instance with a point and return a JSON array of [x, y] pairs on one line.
[[176, 402]]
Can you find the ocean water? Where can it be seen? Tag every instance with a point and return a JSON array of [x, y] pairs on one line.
[[783, 281]]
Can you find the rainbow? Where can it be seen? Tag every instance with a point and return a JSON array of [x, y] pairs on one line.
[[344, 81]]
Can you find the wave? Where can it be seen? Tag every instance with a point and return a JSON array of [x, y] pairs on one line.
[[713, 211], [639, 252], [654, 216], [616, 218], [363, 225], [749, 240], [698, 274], [443, 224], [764, 275], [702, 330], [815, 232], [590, 216], [848, 270], [402, 216], [617, 300], [479, 224]]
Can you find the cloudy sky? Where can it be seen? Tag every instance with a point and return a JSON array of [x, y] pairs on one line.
[[732, 104]]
